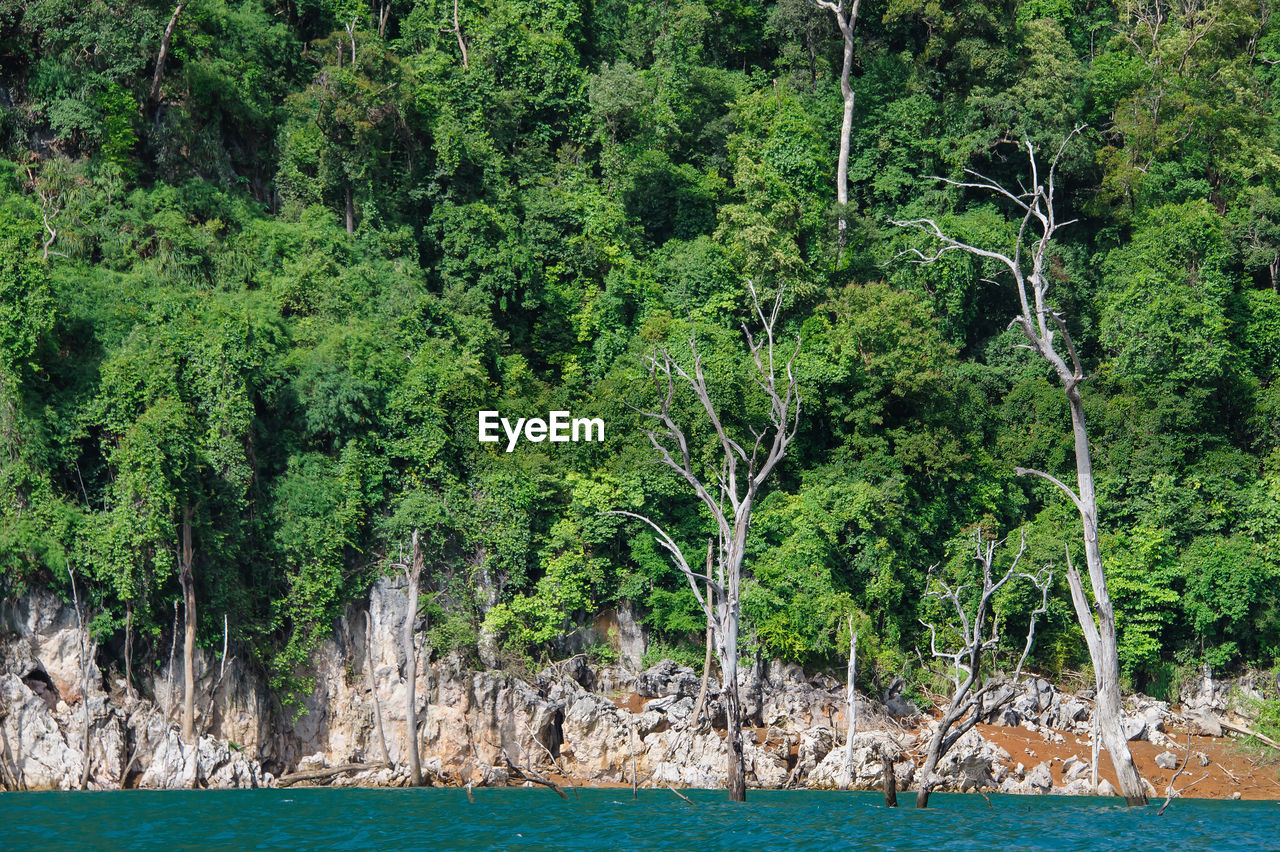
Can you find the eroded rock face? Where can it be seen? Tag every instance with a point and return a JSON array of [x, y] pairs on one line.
[[471, 723], [668, 678], [209, 763], [832, 772], [43, 638], [34, 747]]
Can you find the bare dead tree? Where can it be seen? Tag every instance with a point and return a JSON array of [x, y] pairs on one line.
[[457, 31], [384, 15], [373, 687], [351, 34], [217, 684], [87, 653], [163, 56], [52, 202], [1042, 324], [728, 493], [845, 19], [186, 578], [413, 576], [973, 634], [850, 702]]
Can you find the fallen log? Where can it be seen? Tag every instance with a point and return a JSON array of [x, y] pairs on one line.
[[318, 774], [533, 775], [1241, 729], [678, 793]]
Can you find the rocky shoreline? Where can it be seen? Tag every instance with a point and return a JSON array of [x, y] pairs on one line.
[[573, 723]]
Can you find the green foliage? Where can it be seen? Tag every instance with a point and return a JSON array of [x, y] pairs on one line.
[[1140, 576]]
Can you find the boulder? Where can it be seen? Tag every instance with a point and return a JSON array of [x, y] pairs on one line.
[[1039, 779], [1204, 722], [668, 678], [868, 766], [897, 706], [1167, 760]]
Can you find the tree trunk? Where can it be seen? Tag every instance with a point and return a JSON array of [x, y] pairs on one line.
[[846, 128], [736, 769], [706, 675], [926, 771], [411, 666], [851, 707], [457, 31], [373, 687], [384, 14], [128, 648], [737, 760], [710, 642], [890, 783], [351, 210], [1102, 638], [187, 580], [165, 40], [846, 22]]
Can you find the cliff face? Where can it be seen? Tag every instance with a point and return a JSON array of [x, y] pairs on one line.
[[594, 725], [589, 725]]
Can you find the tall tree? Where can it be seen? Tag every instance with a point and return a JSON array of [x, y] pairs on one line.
[[1041, 323], [737, 477]]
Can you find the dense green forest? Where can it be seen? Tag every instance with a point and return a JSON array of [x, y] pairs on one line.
[[263, 286]]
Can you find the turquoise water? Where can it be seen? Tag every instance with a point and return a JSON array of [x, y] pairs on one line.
[[611, 820]]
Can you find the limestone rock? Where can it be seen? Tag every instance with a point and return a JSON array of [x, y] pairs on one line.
[[1039, 779], [35, 745], [868, 767], [175, 765], [668, 678], [1205, 722], [1167, 760], [815, 744]]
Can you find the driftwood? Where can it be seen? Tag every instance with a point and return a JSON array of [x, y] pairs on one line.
[[1241, 729], [318, 774], [533, 775], [678, 793], [1169, 791]]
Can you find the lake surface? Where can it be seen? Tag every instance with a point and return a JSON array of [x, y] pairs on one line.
[[610, 820]]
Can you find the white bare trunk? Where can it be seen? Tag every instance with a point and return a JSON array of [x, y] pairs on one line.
[[187, 580], [845, 20], [411, 666], [1041, 323]]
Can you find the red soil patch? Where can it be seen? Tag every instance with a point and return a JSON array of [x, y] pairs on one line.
[[1231, 768]]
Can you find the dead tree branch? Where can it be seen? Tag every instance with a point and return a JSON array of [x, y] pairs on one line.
[[975, 633], [1046, 331], [729, 488]]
